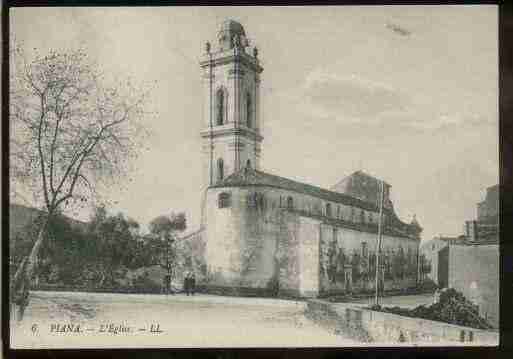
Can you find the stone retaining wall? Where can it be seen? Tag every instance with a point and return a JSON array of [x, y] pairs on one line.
[[390, 329]]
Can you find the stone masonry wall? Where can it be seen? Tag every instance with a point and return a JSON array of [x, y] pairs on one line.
[[388, 329]]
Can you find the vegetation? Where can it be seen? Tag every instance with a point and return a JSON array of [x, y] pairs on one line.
[[164, 228], [99, 255]]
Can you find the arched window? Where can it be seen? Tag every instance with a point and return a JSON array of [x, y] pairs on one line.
[[364, 250], [220, 169], [362, 216], [328, 209], [290, 203], [248, 164], [249, 112], [224, 200], [338, 212], [220, 99]]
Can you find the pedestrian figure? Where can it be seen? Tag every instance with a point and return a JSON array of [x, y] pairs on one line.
[[167, 283], [192, 283], [436, 297], [186, 284]]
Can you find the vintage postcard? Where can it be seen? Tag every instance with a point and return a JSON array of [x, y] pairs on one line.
[[187, 177]]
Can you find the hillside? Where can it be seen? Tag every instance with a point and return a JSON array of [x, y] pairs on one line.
[[20, 216]]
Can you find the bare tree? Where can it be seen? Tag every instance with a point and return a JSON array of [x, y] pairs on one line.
[[70, 134]]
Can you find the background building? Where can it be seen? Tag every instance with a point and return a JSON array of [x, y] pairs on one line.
[[430, 249], [470, 264]]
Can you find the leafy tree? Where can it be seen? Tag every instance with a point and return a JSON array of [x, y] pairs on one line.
[[165, 228], [71, 133], [116, 244]]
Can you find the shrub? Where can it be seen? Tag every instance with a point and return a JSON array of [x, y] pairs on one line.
[[143, 284]]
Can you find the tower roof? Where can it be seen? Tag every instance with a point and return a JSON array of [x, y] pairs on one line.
[[229, 32], [233, 27]]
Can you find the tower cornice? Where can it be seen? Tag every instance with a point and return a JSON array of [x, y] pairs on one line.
[[231, 131], [227, 57]]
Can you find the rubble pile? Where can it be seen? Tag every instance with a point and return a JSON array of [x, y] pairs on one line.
[[452, 308]]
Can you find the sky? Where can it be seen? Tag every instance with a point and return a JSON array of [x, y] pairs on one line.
[[408, 94]]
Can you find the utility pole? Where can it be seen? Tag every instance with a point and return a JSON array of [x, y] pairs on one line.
[[378, 246], [169, 241]]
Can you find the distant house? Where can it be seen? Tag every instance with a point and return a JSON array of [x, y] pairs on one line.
[[486, 227], [473, 269], [470, 264], [430, 249]]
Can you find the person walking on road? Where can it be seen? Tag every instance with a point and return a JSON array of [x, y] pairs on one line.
[[186, 284], [192, 283]]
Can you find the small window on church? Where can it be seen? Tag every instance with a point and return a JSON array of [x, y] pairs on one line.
[[338, 212], [261, 201], [224, 200], [254, 200], [220, 107], [364, 250], [362, 216], [220, 169], [249, 112], [248, 164], [328, 209], [290, 203]]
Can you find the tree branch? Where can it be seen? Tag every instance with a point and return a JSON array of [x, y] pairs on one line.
[[40, 151]]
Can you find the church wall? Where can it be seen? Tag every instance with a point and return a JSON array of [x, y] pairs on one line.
[[256, 245], [221, 237], [346, 250], [308, 253]]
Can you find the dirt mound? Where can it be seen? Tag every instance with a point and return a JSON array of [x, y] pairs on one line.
[[452, 308]]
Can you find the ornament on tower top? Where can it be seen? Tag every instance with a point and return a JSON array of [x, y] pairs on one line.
[[230, 32], [207, 47], [236, 41]]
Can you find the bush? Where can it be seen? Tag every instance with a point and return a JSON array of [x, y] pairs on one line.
[[143, 284], [427, 285], [273, 286]]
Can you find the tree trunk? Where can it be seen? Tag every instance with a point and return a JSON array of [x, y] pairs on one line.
[[20, 286]]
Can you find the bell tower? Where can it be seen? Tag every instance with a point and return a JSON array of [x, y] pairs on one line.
[[231, 126]]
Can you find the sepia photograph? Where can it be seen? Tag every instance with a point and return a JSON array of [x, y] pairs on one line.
[[257, 176]]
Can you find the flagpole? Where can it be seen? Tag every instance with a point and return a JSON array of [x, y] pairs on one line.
[[378, 246]]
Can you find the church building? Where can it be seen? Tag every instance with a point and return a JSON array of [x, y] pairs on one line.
[[268, 235]]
